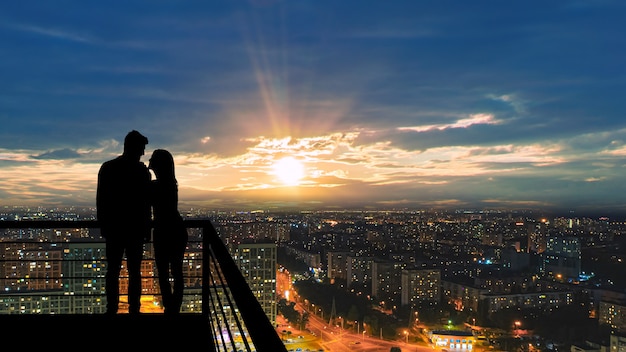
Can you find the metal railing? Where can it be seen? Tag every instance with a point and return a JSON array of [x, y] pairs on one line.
[[235, 319]]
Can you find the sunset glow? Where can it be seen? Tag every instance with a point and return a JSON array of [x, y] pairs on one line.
[[296, 105]]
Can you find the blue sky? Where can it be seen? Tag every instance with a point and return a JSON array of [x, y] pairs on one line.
[[371, 104]]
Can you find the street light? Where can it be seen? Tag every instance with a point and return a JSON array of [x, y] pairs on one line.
[[406, 336], [363, 334]]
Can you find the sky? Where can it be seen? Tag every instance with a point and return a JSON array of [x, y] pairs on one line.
[[316, 104]]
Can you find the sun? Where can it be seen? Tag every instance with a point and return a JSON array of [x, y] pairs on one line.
[[289, 170]]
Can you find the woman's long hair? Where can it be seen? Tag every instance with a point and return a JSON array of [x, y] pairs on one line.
[[162, 162]]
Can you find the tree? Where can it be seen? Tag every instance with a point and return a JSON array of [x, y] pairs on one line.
[[288, 310], [353, 314], [304, 319]]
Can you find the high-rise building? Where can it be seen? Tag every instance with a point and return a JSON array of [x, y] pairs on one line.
[[337, 262], [613, 315], [420, 285], [257, 262], [387, 282], [562, 258], [83, 277], [24, 264], [359, 270], [537, 236]]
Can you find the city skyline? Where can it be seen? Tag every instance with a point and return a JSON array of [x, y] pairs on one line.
[[321, 105]]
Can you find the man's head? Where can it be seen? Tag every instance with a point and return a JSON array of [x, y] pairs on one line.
[[135, 144]]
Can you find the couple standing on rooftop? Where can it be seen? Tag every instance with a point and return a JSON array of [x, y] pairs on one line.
[[128, 201]]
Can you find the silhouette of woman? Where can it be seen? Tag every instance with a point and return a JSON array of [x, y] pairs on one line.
[[169, 235]]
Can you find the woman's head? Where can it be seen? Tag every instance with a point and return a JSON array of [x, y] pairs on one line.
[[162, 163]]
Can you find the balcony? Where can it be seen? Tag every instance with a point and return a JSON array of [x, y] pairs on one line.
[[223, 315]]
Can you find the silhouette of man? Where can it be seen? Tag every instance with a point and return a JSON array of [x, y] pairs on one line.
[[123, 209]]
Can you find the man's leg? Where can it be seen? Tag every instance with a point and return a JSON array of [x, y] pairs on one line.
[[114, 252], [134, 255]]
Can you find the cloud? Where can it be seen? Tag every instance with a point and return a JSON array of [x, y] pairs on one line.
[[58, 154], [476, 119], [53, 33]]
